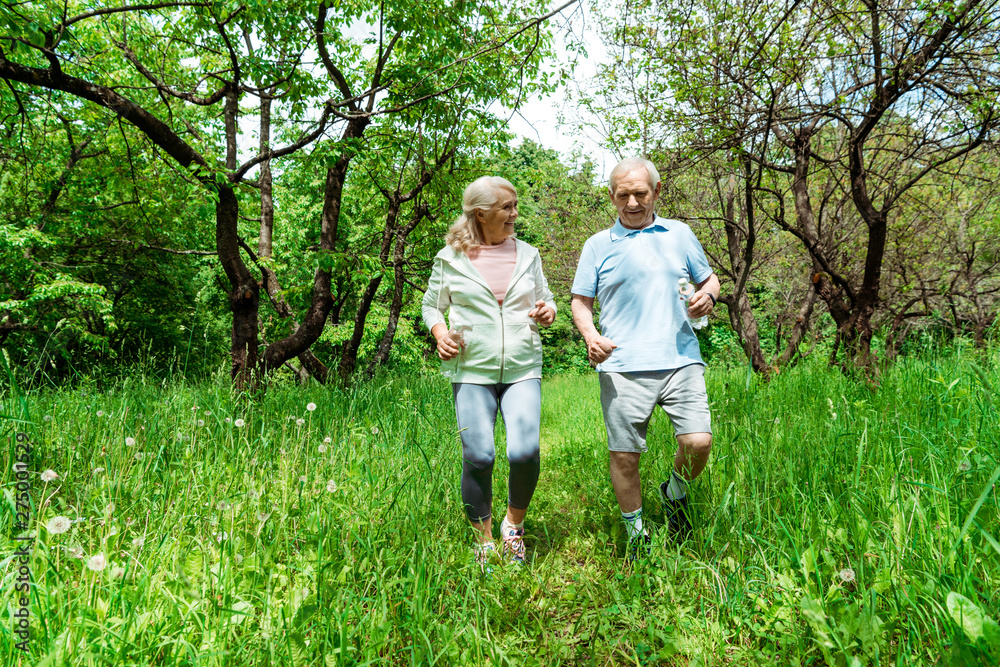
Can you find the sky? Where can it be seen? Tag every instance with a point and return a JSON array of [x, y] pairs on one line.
[[539, 118], [555, 121]]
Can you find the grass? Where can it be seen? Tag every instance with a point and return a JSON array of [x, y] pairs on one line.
[[836, 524]]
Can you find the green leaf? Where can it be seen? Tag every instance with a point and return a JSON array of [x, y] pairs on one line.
[[972, 514], [976, 624]]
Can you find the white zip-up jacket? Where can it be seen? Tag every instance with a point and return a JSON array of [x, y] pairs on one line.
[[502, 345]]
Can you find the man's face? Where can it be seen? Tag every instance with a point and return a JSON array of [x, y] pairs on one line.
[[634, 198]]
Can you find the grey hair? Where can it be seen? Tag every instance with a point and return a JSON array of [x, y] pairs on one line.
[[480, 195], [627, 165]]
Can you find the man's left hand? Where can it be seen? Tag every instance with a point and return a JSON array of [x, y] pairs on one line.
[[701, 304]]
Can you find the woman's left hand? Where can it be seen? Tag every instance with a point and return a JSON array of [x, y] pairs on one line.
[[542, 314]]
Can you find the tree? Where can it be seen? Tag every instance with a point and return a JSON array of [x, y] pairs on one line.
[[869, 99], [89, 266], [412, 54], [559, 206]]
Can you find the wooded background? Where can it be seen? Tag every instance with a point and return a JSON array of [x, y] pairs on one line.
[[263, 184]]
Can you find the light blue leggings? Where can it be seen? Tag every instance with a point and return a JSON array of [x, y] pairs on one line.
[[476, 406]]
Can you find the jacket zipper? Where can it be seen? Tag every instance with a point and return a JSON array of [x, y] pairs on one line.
[[503, 336]]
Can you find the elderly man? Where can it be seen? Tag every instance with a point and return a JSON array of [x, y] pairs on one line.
[[646, 352]]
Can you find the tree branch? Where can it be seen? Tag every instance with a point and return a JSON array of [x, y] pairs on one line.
[[305, 140], [128, 8], [324, 54], [172, 251], [163, 87]]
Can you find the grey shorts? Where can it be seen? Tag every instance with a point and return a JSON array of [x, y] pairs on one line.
[[628, 401]]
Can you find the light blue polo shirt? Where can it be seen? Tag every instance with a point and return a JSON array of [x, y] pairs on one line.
[[633, 273]]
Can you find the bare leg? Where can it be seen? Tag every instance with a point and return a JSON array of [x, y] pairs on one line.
[[692, 455], [484, 530], [624, 469], [514, 515]]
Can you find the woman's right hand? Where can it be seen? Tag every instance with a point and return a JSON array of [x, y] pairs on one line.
[[446, 348]]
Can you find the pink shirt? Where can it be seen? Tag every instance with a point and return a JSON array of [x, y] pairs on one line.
[[496, 264]]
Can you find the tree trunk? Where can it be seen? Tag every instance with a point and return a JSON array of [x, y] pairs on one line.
[[744, 323], [833, 289], [244, 295], [395, 309], [265, 245], [314, 320], [740, 243], [349, 353], [799, 330]]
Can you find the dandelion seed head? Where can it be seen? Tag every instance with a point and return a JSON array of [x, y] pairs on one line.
[[239, 423], [201, 422], [310, 407], [374, 430], [965, 466], [223, 505], [97, 563], [138, 456], [98, 471], [262, 516], [138, 542], [58, 525], [331, 486], [300, 422], [322, 449], [228, 420], [327, 440], [129, 442], [100, 413], [302, 479], [118, 572], [208, 413], [50, 475], [47, 418], [847, 575]]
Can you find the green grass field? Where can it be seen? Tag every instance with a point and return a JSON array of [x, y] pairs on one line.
[[836, 524]]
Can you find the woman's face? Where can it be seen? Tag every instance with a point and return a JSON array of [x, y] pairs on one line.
[[498, 223]]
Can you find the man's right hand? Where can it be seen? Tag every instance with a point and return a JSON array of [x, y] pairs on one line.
[[599, 349]]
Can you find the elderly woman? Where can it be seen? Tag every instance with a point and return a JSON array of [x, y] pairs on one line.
[[497, 296]]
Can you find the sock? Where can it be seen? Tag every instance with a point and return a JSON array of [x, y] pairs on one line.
[[506, 525], [677, 488], [633, 523]]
